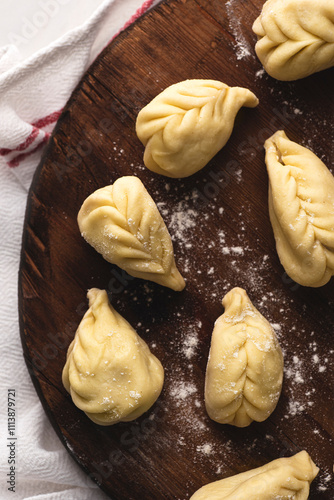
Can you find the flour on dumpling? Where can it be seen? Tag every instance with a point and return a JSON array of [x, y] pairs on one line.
[[301, 209], [245, 368], [122, 222], [110, 372], [188, 123]]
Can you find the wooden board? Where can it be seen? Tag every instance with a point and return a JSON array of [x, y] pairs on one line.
[[219, 221]]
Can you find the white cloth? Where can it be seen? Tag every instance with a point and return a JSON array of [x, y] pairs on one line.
[[33, 90]]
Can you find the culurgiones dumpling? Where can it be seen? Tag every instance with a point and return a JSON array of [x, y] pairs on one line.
[[284, 479], [301, 209], [188, 123], [122, 222], [110, 371], [244, 373], [295, 37]]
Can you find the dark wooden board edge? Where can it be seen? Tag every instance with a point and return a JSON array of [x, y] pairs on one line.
[[33, 372]]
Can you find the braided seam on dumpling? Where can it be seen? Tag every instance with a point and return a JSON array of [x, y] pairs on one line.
[[188, 123], [295, 39], [301, 209], [123, 223], [286, 478], [110, 372], [245, 367]]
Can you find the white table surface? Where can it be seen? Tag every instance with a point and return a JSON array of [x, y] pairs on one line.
[[33, 24]]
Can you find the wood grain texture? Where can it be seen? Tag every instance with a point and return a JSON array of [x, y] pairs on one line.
[[222, 238]]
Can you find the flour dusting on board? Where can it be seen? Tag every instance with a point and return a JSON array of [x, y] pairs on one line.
[[182, 220], [190, 342], [206, 449], [242, 47], [182, 390]]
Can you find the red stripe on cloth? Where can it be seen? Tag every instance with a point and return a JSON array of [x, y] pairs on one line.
[[29, 140], [53, 117], [16, 161], [42, 122], [139, 12], [47, 120]]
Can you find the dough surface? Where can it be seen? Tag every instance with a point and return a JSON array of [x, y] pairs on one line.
[[301, 209], [188, 123], [245, 368], [110, 371], [295, 37], [123, 223], [283, 479]]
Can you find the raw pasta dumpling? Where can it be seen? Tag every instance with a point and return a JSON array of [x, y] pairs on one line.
[[188, 123], [301, 209], [295, 37], [110, 371], [284, 479], [122, 222], [245, 368]]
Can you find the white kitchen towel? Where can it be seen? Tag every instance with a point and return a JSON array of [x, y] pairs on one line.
[[32, 93]]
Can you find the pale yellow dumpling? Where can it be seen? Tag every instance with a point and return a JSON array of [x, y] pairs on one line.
[[301, 209], [188, 123], [295, 37], [284, 479], [122, 222], [110, 371], [245, 368]]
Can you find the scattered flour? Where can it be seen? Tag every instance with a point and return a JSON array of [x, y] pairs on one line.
[[221, 236], [205, 449], [181, 391], [295, 407], [243, 48], [190, 344], [181, 441], [233, 250], [219, 469], [182, 220], [260, 73], [324, 482], [293, 371]]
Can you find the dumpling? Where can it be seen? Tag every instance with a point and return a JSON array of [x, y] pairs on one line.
[[301, 209], [245, 368], [295, 37], [110, 372], [123, 223], [188, 123], [284, 479]]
